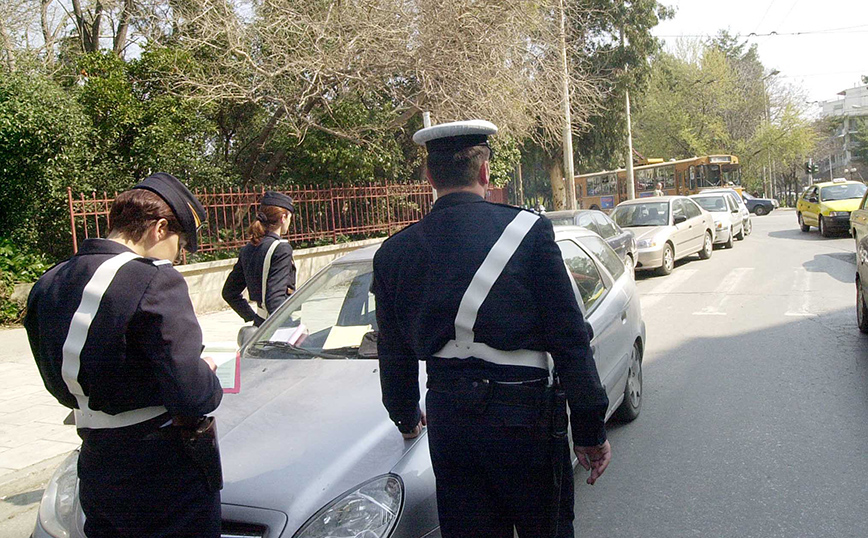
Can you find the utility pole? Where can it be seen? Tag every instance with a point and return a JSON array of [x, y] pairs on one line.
[[631, 183], [569, 175]]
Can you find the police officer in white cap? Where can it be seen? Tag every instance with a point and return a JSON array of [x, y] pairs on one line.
[[480, 292], [116, 339]]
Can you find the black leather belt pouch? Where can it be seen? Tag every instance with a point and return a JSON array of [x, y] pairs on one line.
[[200, 443], [557, 408]]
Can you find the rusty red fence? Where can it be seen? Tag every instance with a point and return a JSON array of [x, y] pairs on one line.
[[323, 215]]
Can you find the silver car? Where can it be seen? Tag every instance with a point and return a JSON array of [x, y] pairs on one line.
[[739, 199], [728, 224], [667, 228], [308, 449]]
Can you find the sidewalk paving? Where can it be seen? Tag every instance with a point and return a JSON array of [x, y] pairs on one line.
[[31, 420]]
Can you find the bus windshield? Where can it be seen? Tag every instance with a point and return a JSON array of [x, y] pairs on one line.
[[645, 214]]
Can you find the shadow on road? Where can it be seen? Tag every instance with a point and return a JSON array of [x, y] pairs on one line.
[[26, 498], [839, 265], [799, 235]]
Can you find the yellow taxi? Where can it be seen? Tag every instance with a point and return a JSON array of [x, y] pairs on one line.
[[827, 205]]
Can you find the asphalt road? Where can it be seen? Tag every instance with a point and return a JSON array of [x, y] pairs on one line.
[[755, 409]]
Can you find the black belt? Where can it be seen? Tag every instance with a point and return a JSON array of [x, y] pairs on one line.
[[528, 393]]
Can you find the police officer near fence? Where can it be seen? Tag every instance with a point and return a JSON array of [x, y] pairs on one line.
[[116, 339], [480, 292], [265, 265]]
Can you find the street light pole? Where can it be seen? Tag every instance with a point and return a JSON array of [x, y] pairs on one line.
[[631, 183]]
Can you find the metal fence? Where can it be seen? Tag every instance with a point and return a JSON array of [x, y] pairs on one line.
[[322, 215]]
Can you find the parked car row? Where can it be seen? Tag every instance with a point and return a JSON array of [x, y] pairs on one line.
[[308, 449]]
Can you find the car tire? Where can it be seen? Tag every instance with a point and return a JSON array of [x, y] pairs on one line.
[[760, 211], [824, 230], [668, 260], [749, 227], [740, 235], [631, 265], [804, 227], [861, 309], [705, 253], [728, 243], [632, 404]]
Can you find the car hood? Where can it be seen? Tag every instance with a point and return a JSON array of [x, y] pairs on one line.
[[851, 204], [647, 232], [302, 432]]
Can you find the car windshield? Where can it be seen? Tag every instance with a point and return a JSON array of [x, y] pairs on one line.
[[711, 203], [644, 214], [561, 221], [748, 196], [328, 318], [842, 192]]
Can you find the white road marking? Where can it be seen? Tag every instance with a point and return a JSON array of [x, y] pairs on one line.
[[668, 285], [723, 292], [800, 302]]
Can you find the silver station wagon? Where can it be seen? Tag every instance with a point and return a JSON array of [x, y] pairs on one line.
[[308, 449]]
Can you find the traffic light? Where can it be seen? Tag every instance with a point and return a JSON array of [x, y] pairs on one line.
[[807, 168], [814, 168]]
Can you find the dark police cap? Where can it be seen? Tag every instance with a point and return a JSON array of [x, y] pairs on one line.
[[455, 136], [277, 199], [184, 205]]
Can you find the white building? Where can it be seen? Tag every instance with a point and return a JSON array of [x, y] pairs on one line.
[[851, 103]]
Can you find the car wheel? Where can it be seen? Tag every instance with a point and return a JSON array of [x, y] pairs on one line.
[[728, 243], [824, 230], [632, 404], [861, 309], [740, 235], [760, 211], [804, 227], [705, 253], [749, 227], [668, 260], [631, 265]]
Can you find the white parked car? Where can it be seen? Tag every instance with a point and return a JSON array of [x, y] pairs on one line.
[[728, 224]]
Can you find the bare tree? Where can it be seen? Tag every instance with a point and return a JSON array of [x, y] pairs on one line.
[[457, 59]]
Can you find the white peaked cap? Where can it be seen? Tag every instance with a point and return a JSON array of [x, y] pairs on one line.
[[453, 129]]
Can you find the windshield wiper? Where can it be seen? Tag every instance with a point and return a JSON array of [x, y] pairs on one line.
[[342, 353]]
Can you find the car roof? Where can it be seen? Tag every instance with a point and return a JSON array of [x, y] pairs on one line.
[[831, 183], [647, 199], [708, 194], [565, 231], [364, 254], [569, 212]]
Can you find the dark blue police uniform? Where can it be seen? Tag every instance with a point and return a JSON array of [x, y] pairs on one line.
[[125, 386], [480, 292], [248, 273]]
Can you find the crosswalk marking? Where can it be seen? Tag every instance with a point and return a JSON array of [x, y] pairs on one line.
[[670, 284], [722, 293], [800, 302]]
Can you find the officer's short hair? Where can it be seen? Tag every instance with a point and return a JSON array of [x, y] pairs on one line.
[[136, 210], [460, 168]]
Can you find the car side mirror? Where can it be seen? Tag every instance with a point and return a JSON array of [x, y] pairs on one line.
[[736, 211], [813, 199], [679, 219]]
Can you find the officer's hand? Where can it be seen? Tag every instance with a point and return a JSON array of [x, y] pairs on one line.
[[417, 430], [594, 459], [210, 362]]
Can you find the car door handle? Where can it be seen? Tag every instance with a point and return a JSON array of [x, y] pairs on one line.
[[624, 316]]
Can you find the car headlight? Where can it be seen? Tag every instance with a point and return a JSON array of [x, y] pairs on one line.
[[718, 225], [839, 213], [369, 511], [646, 243], [57, 509]]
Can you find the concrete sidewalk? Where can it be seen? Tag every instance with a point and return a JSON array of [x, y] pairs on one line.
[[33, 438]]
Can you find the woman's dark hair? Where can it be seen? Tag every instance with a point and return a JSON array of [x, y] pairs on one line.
[[135, 210], [450, 169], [267, 217]]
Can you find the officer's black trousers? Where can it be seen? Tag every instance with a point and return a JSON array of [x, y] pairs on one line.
[[495, 469], [144, 488]]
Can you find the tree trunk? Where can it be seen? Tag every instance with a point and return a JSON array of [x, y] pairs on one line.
[[120, 39], [272, 166], [94, 31], [7, 48], [559, 188], [47, 33], [259, 144]]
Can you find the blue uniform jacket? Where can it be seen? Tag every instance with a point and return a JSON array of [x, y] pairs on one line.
[[420, 276], [247, 273], [144, 344]]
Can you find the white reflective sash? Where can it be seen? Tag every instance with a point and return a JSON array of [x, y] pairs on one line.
[[464, 346], [91, 297], [261, 309]]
